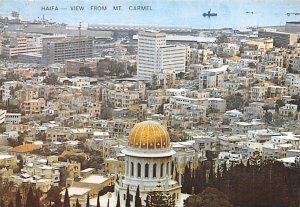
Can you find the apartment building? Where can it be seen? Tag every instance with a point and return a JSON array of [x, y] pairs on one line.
[[9, 161], [213, 78], [155, 57], [7, 90], [33, 106], [61, 49], [2, 116], [13, 118], [14, 46], [281, 39], [73, 66]]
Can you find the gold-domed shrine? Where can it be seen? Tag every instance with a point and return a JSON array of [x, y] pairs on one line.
[[149, 135]]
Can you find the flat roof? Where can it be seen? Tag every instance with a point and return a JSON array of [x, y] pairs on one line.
[[87, 170], [95, 179], [2, 157], [76, 191]]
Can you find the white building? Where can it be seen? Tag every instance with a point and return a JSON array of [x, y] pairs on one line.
[[292, 81], [2, 116], [155, 57], [296, 64], [14, 118], [20, 45], [148, 161], [212, 78], [7, 89]]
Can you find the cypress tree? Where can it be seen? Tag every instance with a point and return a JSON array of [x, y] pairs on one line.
[[176, 175], [66, 199], [127, 204], [118, 200], [18, 199], [108, 202], [11, 204], [147, 201], [57, 201], [98, 199], [77, 203], [138, 202], [88, 200], [211, 176], [218, 182], [30, 198], [2, 203], [186, 179], [36, 199]]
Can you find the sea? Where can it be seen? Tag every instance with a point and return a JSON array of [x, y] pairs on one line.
[[236, 14]]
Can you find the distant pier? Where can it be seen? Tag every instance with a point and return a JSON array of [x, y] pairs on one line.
[[139, 27]]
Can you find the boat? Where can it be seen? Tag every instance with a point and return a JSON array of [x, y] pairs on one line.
[[293, 13], [249, 12], [209, 14], [15, 14]]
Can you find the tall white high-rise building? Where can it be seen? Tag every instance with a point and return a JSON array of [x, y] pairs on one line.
[[155, 57]]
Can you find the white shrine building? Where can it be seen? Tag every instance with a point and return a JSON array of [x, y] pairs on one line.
[[148, 164]]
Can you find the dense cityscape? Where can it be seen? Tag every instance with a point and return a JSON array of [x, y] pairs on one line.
[[131, 115]]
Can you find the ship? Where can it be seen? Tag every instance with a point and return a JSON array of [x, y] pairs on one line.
[[15, 14], [209, 14]]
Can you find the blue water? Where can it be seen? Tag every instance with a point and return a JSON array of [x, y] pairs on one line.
[[231, 13]]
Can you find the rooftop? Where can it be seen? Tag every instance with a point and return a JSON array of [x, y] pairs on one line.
[[95, 179], [76, 191], [2, 157], [25, 148]]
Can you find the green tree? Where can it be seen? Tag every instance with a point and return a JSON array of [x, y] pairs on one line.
[[62, 176], [52, 79], [138, 201], [77, 203], [54, 196], [187, 180], [2, 203], [280, 103], [118, 200], [21, 162], [234, 102], [18, 199], [106, 113], [66, 199], [86, 71], [159, 199], [88, 200], [36, 198], [30, 198], [11, 204], [268, 117], [210, 197], [211, 176], [127, 204], [147, 201], [98, 199]]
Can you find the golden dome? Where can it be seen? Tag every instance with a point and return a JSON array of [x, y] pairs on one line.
[[149, 135]]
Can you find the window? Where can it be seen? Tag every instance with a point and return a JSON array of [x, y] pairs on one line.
[[172, 168], [168, 168], [147, 170], [139, 170], [132, 169], [162, 170], [154, 170]]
